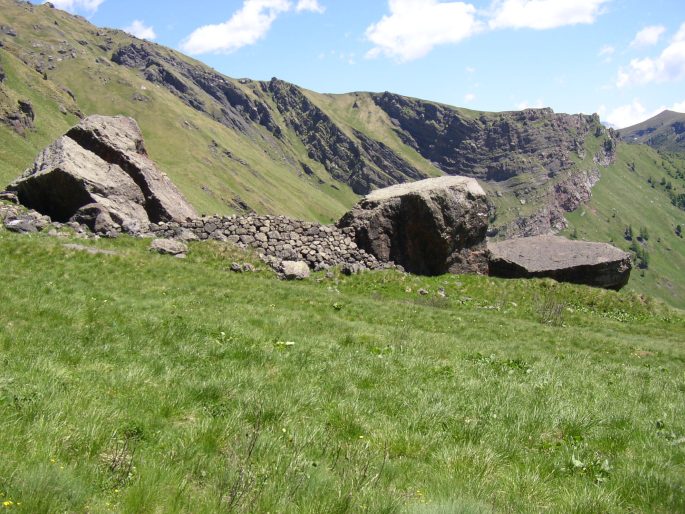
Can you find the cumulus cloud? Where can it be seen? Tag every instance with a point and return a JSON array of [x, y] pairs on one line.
[[88, 6], [649, 36], [627, 115], [469, 97], [140, 30], [247, 26], [634, 113], [414, 27], [310, 5], [669, 66], [544, 14]]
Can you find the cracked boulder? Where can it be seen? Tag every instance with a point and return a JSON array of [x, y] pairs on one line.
[[429, 227], [100, 174], [578, 262]]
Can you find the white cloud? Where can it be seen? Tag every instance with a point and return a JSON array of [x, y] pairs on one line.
[[538, 104], [247, 26], [140, 30], [669, 66], [544, 14], [310, 5], [414, 27], [628, 115], [89, 6], [678, 107], [607, 52], [469, 97], [649, 36]]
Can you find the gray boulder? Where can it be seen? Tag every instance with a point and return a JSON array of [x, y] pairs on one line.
[[578, 262], [99, 174], [429, 227], [295, 270], [169, 247]]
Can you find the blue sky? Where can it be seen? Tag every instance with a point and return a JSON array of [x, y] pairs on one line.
[[622, 58]]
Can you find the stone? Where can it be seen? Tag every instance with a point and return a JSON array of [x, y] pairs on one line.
[[169, 247], [22, 226], [100, 172], [9, 197], [578, 262], [295, 270], [430, 227]]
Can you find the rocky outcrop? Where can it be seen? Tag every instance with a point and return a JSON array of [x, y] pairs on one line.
[[99, 174], [565, 196], [3, 75], [429, 227], [20, 120], [343, 157], [578, 262], [489, 146], [235, 109]]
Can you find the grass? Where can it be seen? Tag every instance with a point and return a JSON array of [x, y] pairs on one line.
[[624, 198], [140, 383]]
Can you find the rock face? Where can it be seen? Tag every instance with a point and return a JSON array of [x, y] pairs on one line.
[[99, 174], [362, 163], [579, 262], [429, 227], [20, 120]]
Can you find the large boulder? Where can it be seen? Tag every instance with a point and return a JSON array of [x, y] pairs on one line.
[[429, 227], [579, 262], [99, 174]]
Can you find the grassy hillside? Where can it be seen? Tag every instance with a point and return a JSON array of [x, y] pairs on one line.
[[187, 144], [665, 131], [630, 194], [178, 386]]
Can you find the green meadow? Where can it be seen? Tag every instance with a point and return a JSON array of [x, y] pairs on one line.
[[141, 383]]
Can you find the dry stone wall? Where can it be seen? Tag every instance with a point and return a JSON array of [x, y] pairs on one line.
[[277, 239]]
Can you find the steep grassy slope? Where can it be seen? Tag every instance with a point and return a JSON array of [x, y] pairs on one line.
[[665, 131], [630, 194], [218, 169], [178, 386]]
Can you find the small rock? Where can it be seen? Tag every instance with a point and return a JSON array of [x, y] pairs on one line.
[[295, 270], [20, 226], [169, 247], [236, 268], [423, 292]]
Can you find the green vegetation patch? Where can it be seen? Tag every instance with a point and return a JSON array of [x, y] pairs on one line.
[[140, 383]]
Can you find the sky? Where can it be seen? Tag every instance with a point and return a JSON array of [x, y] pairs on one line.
[[624, 59]]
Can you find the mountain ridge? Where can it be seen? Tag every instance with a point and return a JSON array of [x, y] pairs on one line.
[[665, 131]]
